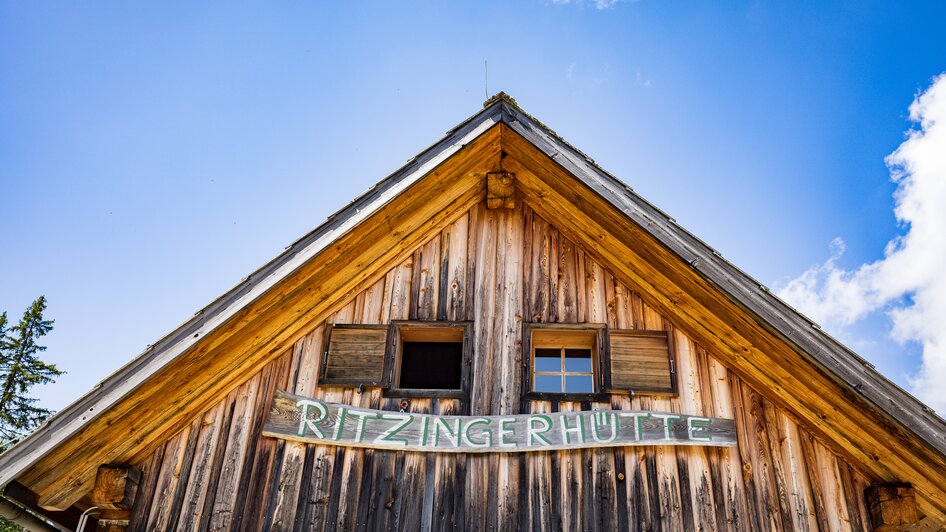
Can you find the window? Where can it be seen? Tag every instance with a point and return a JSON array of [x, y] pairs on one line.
[[563, 370], [431, 365], [428, 359], [564, 359], [578, 361], [353, 355], [641, 361]]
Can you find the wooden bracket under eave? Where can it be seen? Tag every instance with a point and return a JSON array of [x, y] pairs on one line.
[[114, 494], [892, 505], [500, 190]]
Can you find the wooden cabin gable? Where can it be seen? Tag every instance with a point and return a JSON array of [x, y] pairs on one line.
[[224, 356], [501, 236], [494, 268]]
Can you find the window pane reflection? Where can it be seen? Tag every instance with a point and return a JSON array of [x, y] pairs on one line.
[[578, 365], [548, 360], [548, 383], [578, 384]]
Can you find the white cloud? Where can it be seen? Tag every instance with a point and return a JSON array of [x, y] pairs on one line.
[[603, 75], [598, 4], [594, 75], [909, 282]]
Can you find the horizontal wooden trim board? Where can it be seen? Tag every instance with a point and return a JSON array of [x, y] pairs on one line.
[[297, 418]]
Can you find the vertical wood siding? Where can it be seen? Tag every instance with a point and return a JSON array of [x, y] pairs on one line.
[[499, 268]]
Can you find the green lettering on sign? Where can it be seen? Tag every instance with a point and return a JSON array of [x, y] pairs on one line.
[[310, 420]]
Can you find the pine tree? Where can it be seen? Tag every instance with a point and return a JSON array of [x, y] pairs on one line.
[[20, 369]]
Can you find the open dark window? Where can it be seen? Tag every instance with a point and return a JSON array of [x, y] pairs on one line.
[[428, 359], [431, 365]]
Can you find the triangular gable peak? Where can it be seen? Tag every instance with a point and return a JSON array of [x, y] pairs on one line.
[[835, 394]]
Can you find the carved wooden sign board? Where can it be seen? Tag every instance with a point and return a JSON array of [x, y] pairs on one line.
[[308, 420]]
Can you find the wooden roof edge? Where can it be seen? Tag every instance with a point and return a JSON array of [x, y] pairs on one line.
[[771, 312], [159, 355], [803, 334]]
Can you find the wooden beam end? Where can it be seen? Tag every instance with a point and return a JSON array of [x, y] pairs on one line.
[[116, 487], [892, 505], [500, 190]]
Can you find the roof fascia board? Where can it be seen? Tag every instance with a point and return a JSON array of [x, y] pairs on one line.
[[121, 383], [847, 368], [767, 309]]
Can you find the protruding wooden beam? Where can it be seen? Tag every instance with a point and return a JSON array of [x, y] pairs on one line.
[[114, 493], [116, 487], [500, 190], [892, 505]]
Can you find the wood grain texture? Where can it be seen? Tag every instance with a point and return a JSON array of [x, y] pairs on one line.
[[500, 190], [315, 486], [256, 336], [715, 321], [116, 487], [640, 361], [354, 354], [206, 448]]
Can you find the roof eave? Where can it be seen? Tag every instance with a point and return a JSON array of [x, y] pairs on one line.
[[768, 310], [165, 351], [843, 365]]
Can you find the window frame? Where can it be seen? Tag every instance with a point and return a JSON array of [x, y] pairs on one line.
[[674, 390], [393, 351], [599, 361], [562, 373], [324, 380]]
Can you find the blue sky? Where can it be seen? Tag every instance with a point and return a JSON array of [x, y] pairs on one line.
[[152, 156]]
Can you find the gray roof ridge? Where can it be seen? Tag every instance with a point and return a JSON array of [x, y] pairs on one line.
[[820, 347], [749, 293]]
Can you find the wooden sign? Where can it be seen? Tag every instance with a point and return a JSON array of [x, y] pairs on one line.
[[308, 420]]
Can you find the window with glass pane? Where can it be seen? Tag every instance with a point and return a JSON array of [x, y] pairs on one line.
[[563, 370], [564, 357]]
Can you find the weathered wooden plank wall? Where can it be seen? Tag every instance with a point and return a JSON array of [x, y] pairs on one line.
[[499, 268]]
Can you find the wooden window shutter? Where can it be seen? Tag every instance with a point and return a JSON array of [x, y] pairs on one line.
[[641, 361], [354, 355]]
